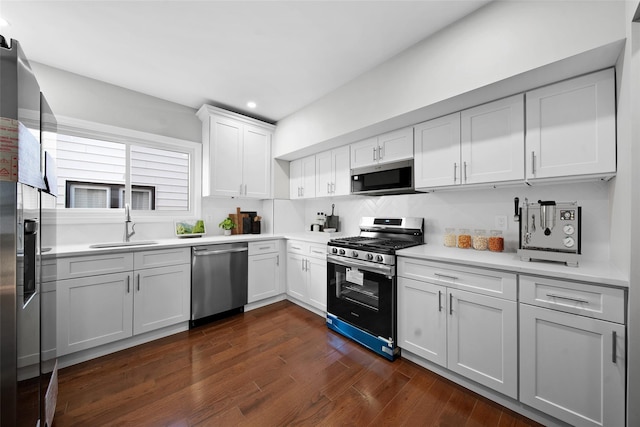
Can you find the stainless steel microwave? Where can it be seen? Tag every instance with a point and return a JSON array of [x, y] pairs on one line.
[[389, 178]]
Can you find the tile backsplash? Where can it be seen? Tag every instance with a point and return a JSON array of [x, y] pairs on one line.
[[462, 208]]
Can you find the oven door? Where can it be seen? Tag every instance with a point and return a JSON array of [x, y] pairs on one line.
[[362, 294]]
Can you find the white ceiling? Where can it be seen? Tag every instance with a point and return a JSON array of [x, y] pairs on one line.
[[281, 54]]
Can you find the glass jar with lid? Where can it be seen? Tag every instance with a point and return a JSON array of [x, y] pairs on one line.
[[496, 241], [480, 240], [450, 237], [464, 238]]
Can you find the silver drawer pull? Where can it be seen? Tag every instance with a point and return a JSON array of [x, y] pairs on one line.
[[439, 300], [438, 275], [295, 247], [580, 300], [615, 338], [450, 304], [264, 247]]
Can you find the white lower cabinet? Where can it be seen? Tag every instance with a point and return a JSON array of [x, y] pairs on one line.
[[470, 333], [573, 352], [307, 273], [148, 293], [264, 278]]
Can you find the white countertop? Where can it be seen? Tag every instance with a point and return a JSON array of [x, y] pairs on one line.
[[603, 273], [84, 249]]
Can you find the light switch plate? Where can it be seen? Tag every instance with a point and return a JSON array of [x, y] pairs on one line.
[[500, 222]]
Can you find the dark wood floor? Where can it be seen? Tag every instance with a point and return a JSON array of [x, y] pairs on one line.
[[278, 365]]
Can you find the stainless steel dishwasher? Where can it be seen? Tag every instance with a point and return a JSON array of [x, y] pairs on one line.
[[218, 281]]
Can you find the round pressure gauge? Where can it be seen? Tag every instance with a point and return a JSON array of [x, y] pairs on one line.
[[568, 229], [568, 242]]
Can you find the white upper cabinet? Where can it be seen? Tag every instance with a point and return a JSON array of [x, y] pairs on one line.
[[302, 178], [571, 128], [437, 159], [236, 154], [332, 172], [492, 141], [484, 144], [390, 147]]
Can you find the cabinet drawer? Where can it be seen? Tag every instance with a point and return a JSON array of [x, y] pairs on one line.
[[93, 265], [317, 251], [483, 281], [49, 270], [162, 258], [264, 247], [595, 301], [297, 247]]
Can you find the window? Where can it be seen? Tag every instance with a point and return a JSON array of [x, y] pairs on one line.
[[103, 167]]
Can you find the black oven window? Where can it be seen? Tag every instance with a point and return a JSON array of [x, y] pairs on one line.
[[354, 287]]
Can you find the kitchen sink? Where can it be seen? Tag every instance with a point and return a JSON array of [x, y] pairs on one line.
[[123, 244]]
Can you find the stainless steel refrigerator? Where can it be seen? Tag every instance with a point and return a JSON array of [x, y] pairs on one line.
[[25, 374]]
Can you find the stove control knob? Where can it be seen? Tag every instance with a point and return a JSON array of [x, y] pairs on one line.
[[354, 254], [369, 257], [342, 252], [379, 258], [334, 250]]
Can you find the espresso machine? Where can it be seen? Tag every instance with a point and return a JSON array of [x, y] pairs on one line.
[[550, 231]]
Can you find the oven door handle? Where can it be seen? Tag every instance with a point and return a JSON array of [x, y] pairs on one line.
[[386, 270]]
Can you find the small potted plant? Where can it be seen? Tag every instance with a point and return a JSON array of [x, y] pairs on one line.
[[227, 225]]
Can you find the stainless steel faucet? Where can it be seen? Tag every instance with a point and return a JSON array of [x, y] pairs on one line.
[[127, 222]]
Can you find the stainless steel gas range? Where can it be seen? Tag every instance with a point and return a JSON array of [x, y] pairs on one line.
[[361, 281]]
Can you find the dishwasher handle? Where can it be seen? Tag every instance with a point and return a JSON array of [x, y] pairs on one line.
[[201, 252]]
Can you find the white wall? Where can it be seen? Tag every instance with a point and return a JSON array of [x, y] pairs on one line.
[[499, 41], [72, 95]]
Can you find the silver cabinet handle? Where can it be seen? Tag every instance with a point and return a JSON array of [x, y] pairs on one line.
[[333, 187], [580, 300], [278, 260], [264, 247], [439, 300], [138, 282], [245, 189], [307, 264], [451, 304], [465, 171], [302, 191], [128, 284], [241, 189], [439, 275], [296, 247], [533, 163], [615, 338], [380, 153], [455, 172], [328, 188], [375, 150], [303, 264], [299, 192]]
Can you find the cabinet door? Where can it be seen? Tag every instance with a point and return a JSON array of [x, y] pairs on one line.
[[571, 127], [422, 321], [341, 179], [483, 340], [162, 297], [364, 153], [256, 168], [225, 150], [324, 174], [297, 276], [263, 276], [92, 311], [572, 367], [493, 141], [309, 177], [396, 145], [437, 156], [317, 282], [295, 179]]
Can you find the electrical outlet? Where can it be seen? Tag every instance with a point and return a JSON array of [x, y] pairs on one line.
[[500, 222]]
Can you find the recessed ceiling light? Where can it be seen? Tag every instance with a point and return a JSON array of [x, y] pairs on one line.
[[4, 22], [251, 104]]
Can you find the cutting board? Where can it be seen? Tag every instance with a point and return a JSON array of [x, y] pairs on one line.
[[239, 218]]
